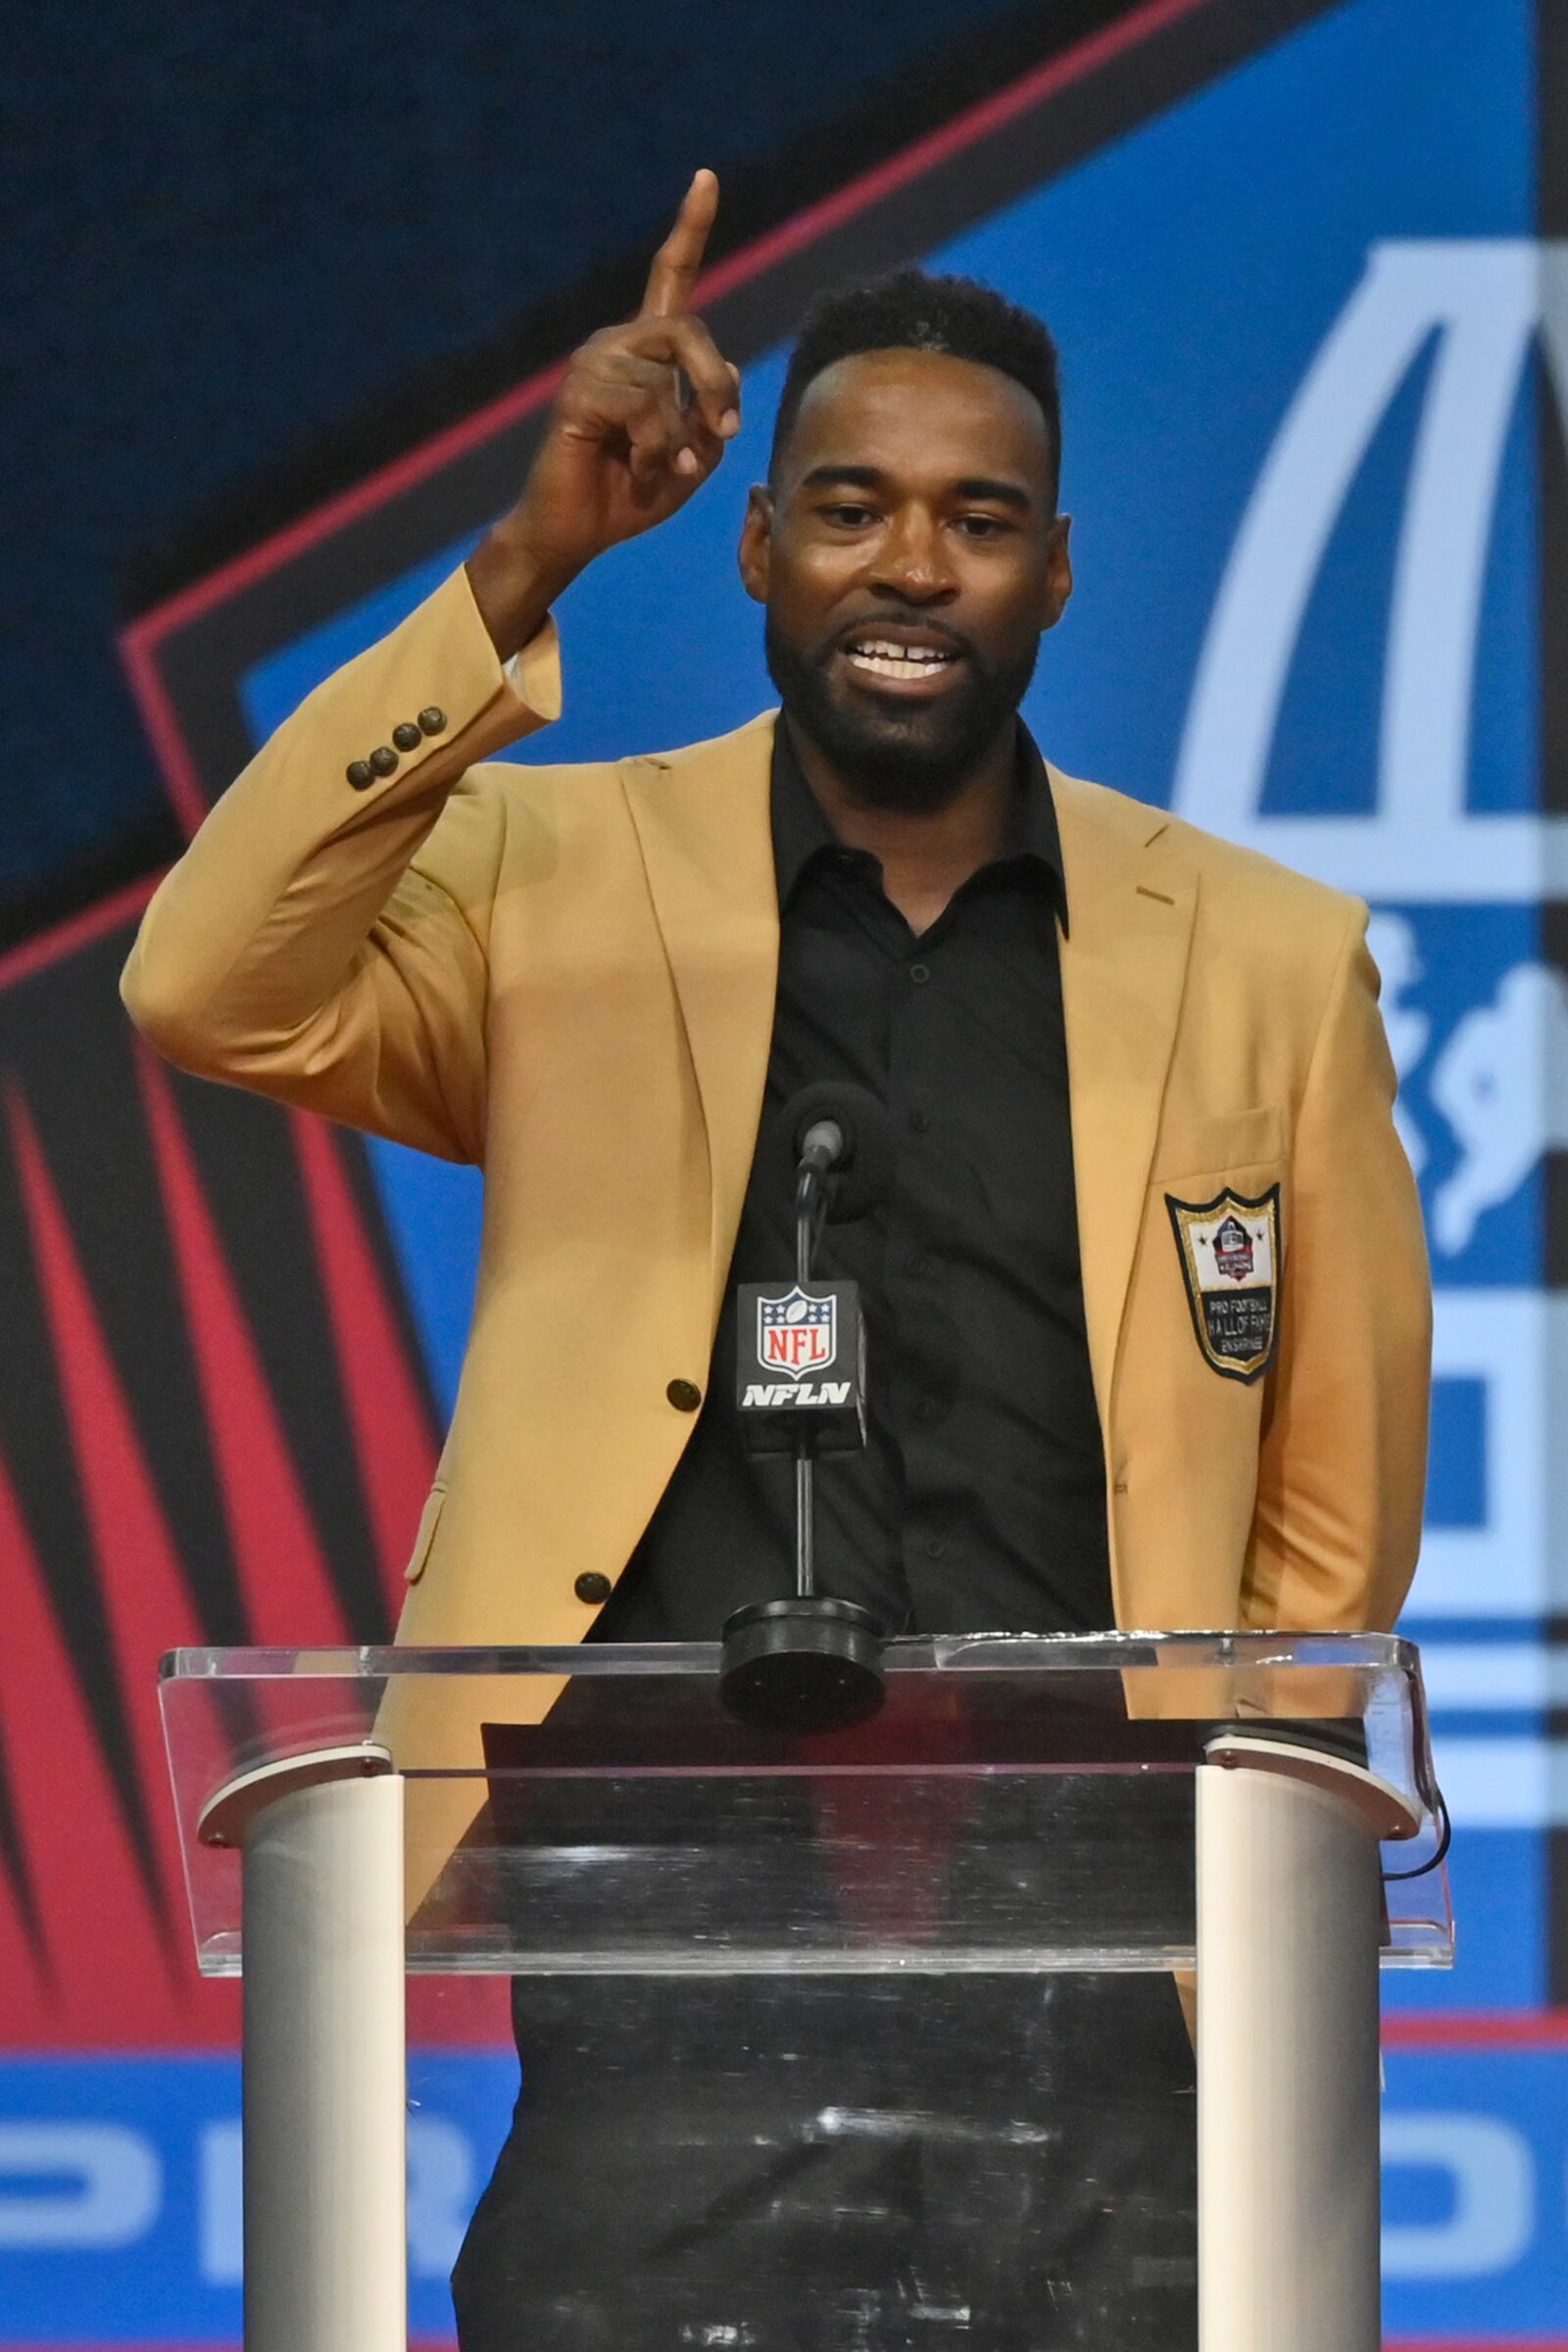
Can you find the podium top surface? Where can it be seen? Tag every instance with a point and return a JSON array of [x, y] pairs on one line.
[[964, 1654], [1018, 1802]]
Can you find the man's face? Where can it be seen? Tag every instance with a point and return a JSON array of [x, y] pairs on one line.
[[909, 554]]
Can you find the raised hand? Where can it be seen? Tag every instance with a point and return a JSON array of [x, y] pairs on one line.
[[639, 424]]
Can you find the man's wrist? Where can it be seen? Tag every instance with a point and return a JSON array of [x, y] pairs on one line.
[[514, 588]]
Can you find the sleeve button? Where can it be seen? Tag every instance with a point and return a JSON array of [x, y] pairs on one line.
[[383, 759], [433, 720], [684, 1395], [593, 1587], [407, 737], [361, 774]]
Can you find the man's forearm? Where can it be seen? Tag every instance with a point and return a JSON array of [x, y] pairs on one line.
[[514, 587]]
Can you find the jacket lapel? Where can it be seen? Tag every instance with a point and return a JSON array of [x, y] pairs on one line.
[[1130, 898], [703, 819], [703, 822]]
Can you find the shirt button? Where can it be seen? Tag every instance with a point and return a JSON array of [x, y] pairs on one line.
[[935, 1548], [919, 973], [592, 1588], [918, 1265], [920, 1122], [383, 759], [361, 774], [406, 736], [928, 1410], [432, 721], [684, 1395]]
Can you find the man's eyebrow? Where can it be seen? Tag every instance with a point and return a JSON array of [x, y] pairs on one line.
[[854, 477], [871, 477], [1001, 494]]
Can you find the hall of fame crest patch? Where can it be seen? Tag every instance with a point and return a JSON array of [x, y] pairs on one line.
[[1229, 1248]]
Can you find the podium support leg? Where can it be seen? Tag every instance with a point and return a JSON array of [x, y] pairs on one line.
[[325, 2087], [1289, 2197]]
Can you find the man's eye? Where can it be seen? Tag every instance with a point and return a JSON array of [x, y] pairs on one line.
[[982, 526], [848, 517]]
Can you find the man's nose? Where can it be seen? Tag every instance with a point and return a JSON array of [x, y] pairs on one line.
[[912, 560]]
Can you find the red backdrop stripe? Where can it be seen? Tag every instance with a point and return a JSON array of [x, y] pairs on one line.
[[106, 1966], [145, 1599]]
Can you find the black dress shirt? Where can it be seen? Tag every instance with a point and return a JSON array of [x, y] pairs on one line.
[[979, 1501]]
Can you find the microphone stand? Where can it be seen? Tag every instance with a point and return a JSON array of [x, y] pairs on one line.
[[810, 1208], [811, 1663]]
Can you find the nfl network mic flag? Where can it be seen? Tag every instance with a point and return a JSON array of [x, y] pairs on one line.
[[801, 1366]]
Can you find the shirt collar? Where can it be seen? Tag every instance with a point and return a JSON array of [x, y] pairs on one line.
[[802, 832]]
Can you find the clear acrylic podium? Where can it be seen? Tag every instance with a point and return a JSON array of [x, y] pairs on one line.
[[869, 1984]]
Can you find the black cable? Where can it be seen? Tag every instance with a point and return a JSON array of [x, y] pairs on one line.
[[1444, 1841]]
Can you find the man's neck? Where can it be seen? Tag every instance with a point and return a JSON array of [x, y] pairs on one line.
[[925, 855]]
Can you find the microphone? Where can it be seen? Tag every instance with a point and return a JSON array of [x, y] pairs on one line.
[[801, 1366], [842, 1131], [810, 1663]]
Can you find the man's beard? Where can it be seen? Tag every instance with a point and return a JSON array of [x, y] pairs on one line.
[[912, 756]]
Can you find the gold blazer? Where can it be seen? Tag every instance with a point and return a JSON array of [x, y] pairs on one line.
[[566, 975]]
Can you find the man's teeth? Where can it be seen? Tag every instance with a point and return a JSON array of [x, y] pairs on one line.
[[885, 661]]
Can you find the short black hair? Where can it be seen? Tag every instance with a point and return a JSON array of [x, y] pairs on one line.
[[908, 309]]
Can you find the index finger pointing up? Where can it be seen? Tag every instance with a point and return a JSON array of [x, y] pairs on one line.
[[678, 260]]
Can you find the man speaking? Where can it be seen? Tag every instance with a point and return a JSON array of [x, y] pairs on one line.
[[1148, 1305]]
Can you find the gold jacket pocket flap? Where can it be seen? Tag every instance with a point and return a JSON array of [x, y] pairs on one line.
[[1240, 1138]]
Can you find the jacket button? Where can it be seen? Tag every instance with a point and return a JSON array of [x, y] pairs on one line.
[[383, 759], [684, 1395], [592, 1588], [433, 720], [361, 774], [406, 736]]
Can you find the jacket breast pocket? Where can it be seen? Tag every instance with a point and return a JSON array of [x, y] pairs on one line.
[[1224, 1146], [429, 1520]]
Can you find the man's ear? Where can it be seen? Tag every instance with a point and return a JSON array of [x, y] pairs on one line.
[[757, 543], [1058, 573]]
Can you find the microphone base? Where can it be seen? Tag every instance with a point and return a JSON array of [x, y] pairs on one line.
[[806, 1664]]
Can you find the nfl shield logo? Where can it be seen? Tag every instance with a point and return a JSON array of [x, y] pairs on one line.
[[797, 1335]]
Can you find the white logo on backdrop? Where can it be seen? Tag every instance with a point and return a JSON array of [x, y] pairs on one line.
[[1500, 1080], [1486, 303]]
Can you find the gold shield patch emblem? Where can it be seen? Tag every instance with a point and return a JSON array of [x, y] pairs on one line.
[[1230, 1254]]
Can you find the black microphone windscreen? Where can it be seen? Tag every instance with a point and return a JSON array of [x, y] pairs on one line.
[[864, 1172]]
